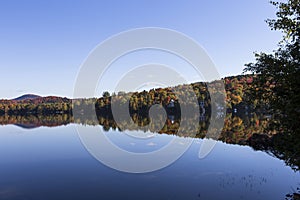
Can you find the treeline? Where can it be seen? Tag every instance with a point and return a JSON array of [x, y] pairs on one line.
[[238, 93], [173, 99], [40, 105]]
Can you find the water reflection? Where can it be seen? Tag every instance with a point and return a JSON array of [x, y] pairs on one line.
[[57, 171], [251, 129], [52, 164]]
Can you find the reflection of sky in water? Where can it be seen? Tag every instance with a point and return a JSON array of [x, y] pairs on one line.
[[51, 163], [148, 142]]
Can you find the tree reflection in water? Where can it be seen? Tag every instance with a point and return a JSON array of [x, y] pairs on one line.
[[247, 128]]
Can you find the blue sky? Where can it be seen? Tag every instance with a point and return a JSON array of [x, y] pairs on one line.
[[43, 43]]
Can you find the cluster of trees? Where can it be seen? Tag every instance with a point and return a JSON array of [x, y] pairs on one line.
[[41, 105], [278, 82], [173, 99], [181, 96], [279, 72]]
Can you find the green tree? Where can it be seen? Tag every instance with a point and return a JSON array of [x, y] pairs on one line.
[[278, 73], [106, 94]]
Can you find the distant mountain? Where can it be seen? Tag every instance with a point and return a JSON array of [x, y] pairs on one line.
[[26, 97]]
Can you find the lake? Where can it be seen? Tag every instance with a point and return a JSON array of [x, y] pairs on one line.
[[51, 162]]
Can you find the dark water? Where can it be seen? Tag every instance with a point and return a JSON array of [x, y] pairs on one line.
[[52, 163]]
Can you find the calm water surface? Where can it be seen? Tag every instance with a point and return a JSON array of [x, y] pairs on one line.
[[52, 163]]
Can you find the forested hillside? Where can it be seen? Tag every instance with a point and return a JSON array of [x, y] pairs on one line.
[[238, 91]]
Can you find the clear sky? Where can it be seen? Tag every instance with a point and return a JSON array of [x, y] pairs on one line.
[[43, 43]]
